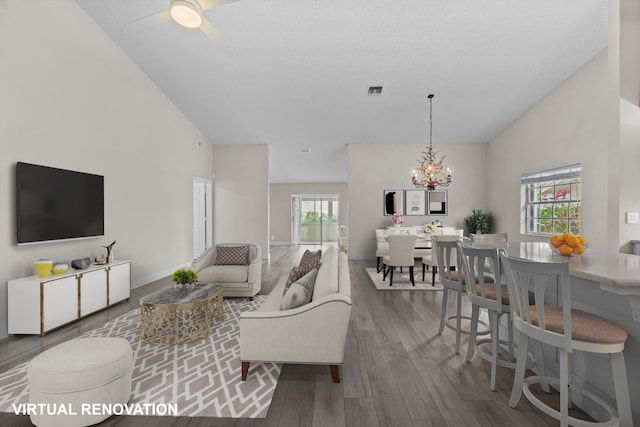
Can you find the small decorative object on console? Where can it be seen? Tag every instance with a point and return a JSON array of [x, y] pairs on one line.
[[109, 248], [397, 220], [43, 267], [184, 278], [81, 263], [60, 268]]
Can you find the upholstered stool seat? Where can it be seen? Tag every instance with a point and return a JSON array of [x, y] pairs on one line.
[[584, 326], [77, 372]]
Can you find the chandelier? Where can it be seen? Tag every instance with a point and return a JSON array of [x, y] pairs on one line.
[[431, 174]]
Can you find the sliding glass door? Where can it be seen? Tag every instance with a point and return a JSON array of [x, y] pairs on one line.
[[315, 219]]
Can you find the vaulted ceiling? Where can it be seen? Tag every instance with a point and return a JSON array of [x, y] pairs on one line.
[[294, 73]]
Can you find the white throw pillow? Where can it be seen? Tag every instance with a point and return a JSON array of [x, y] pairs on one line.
[[300, 291]]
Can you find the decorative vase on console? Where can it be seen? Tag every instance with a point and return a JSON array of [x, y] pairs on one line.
[[396, 220]]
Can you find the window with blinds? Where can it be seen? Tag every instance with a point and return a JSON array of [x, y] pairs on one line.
[[553, 201]]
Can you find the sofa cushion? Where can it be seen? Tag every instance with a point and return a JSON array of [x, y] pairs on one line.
[[224, 274], [327, 280], [232, 255], [296, 273], [310, 259], [300, 291]]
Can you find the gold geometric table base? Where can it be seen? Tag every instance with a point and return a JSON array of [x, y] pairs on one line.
[[167, 318]]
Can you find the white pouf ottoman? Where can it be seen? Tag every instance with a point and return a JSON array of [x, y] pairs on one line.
[[67, 381]]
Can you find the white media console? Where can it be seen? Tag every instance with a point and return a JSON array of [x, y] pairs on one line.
[[38, 305]]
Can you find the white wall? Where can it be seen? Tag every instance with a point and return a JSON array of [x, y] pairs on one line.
[[374, 168], [628, 61], [280, 205], [241, 195], [72, 99], [567, 126]]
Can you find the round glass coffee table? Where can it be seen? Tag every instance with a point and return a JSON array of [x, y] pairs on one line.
[[177, 316]]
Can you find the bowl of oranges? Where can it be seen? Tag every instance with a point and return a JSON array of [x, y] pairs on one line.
[[568, 244]]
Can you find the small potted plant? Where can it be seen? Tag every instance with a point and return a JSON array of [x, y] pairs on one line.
[[184, 278], [396, 220], [479, 222]]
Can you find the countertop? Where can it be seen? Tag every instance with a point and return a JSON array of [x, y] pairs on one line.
[[608, 268]]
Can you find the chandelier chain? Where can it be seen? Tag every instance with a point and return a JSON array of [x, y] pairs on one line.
[[431, 173]]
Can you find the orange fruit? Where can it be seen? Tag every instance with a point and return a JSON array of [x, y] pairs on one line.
[[565, 236], [582, 239], [556, 241], [572, 241], [565, 250], [578, 249]]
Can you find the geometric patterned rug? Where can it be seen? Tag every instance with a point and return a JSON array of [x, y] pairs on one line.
[[401, 281], [202, 378]]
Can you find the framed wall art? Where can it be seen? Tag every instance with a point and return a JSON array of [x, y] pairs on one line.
[[437, 202], [393, 202], [415, 202]]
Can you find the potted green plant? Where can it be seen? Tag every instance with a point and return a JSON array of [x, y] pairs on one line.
[[184, 278], [479, 222]]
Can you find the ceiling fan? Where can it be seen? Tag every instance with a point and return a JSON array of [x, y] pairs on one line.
[[189, 14]]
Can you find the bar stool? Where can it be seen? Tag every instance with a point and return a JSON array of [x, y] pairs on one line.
[[567, 330], [452, 280], [428, 258], [490, 294]]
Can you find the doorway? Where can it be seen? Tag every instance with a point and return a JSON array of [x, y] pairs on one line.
[[202, 217], [314, 218]]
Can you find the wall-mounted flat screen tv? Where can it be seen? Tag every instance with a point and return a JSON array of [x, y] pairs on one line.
[[57, 204]]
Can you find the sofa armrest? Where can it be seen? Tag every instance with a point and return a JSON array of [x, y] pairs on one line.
[[204, 260], [313, 333], [255, 267]]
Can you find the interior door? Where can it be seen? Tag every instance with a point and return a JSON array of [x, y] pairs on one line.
[[202, 220]]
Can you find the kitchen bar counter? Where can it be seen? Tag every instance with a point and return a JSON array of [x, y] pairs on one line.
[[615, 272], [606, 284]]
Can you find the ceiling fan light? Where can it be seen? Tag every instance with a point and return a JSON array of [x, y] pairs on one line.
[[186, 13]]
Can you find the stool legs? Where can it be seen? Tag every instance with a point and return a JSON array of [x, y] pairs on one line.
[[622, 389], [475, 312], [443, 312], [493, 323], [458, 320], [518, 376]]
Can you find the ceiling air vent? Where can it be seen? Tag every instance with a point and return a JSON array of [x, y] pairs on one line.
[[374, 91]]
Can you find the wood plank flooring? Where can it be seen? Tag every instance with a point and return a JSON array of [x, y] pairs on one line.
[[398, 371]]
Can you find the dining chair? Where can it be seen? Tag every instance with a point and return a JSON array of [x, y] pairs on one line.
[[491, 294], [445, 249], [567, 330], [382, 247], [401, 249]]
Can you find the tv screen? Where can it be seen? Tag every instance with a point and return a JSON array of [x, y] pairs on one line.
[[57, 204]]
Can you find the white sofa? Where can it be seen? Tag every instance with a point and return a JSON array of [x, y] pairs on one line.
[[313, 333], [238, 280]]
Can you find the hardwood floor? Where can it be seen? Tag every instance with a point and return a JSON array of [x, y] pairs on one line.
[[397, 372]]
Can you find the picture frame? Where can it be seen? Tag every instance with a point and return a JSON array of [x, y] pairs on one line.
[[415, 202], [437, 203], [393, 202]]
